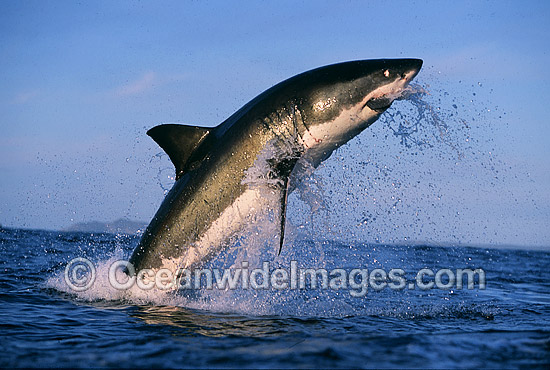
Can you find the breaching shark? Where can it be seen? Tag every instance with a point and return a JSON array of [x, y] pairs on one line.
[[295, 124]]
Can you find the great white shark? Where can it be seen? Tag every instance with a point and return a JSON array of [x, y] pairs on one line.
[[294, 125]]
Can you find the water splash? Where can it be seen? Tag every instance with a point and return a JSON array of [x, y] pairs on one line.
[[385, 186], [165, 176], [401, 179]]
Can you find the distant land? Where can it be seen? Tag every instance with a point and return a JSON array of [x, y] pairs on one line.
[[120, 226]]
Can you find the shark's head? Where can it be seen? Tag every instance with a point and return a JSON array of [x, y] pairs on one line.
[[338, 101], [368, 84]]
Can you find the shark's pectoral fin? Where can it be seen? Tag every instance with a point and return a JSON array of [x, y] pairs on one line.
[[284, 197], [281, 170], [181, 143]]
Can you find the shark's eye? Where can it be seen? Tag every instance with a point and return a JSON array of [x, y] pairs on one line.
[[387, 73]]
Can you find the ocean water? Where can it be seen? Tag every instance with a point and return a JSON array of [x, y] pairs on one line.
[[44, 323]]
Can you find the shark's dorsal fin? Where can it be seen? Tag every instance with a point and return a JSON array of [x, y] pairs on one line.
[[179, 142]]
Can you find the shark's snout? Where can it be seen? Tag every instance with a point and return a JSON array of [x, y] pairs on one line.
[[414, 67]]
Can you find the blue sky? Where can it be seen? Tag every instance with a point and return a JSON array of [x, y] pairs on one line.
[[82, 82]]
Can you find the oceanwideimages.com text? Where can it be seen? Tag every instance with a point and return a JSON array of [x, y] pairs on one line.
[[80, 275]]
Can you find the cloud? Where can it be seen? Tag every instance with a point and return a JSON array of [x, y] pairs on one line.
[[24, 97], [144, 83]]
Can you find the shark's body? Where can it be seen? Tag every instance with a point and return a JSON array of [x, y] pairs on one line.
[[303, 119]]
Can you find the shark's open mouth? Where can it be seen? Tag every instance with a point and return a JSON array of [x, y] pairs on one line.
[[379, 104]]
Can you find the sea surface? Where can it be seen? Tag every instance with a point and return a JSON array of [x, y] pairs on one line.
[[44, 323]]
